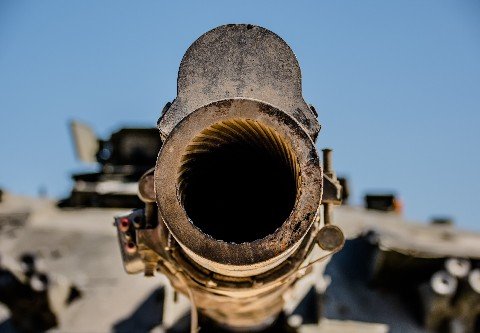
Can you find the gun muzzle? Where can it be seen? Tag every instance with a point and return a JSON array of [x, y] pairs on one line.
[[238, 184], [238, 181]]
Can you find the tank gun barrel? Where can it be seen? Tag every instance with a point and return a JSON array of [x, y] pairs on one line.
[[234, 203]]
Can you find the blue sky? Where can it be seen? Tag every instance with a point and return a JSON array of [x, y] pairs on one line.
[[396, 85]]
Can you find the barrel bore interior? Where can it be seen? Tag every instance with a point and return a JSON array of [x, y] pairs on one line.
[[238, 181]]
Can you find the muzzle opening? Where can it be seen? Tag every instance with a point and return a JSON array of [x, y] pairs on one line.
[[238, 181]]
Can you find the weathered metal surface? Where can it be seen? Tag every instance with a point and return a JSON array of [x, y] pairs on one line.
[[86, 252], [238, 181], [246, 284], [146, 187], [332, 191], [79, 246], [239, 61], [126, 231], [332, 188], [409, 237], [262, 253]]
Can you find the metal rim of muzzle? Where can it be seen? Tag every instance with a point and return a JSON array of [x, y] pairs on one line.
[[251, 257]]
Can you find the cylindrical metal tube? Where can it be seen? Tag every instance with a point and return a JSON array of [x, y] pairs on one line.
[[238, 181], [238, 185], [443, 283], [458, 267], [327, 160], [474, 280]]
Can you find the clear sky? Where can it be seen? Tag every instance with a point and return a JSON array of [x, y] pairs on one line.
[[396, 85]]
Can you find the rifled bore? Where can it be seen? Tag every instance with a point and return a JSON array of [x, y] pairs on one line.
[[238, 180], [238, 183]]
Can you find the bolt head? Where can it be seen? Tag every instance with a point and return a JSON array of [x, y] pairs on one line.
[[330, 238], [123, 224]]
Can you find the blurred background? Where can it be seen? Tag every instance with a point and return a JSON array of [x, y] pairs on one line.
[[396, 86]]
